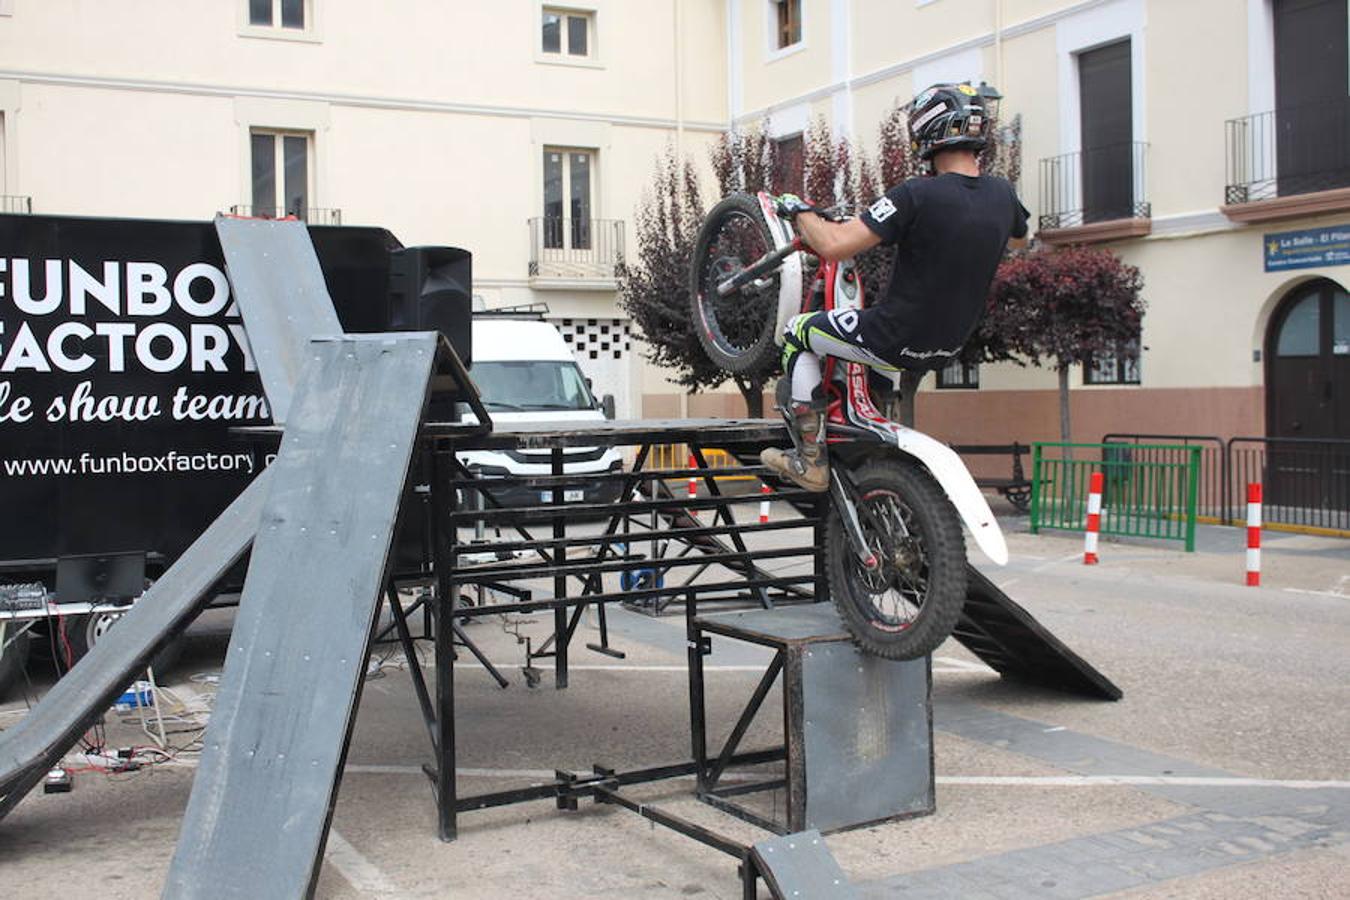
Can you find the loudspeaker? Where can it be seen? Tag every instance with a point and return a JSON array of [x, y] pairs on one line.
[[431, 289]]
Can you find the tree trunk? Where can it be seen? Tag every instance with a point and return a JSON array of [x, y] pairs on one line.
[[1065, 428]]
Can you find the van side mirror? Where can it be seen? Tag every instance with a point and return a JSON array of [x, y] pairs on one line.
[[607, 405]]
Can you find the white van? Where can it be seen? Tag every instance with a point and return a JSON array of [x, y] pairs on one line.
[[525, 372]]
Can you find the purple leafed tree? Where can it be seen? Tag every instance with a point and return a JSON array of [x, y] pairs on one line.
[[1061, 308], [654, 287]]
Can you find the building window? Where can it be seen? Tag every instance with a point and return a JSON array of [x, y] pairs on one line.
[[1118, 366], [281, 167], [789, 165], [788, 23], [569, 192], [1312, 67], [1107, 116], [959, 374], [277, 13], [568, 32]]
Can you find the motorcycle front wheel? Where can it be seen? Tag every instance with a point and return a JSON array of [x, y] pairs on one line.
[[908, 604], [736, 331]]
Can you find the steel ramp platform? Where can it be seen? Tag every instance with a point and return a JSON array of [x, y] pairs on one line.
[[1011, 642], [50, 729], [800, 867], [258, 817]]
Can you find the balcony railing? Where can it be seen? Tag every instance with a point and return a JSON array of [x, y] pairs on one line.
[[16, 203], [1285, 152], [1103, 184], [314, 215], [586, 249]]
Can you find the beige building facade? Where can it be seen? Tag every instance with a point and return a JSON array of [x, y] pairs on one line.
[[1170, 132], [526, 131]]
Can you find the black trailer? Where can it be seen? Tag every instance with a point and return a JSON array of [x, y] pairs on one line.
[[123, 367]]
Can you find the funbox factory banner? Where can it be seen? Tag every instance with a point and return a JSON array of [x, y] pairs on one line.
[[123, 365]]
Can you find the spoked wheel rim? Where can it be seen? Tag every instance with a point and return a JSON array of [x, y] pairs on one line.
[[735, 324], [98, 626], [893, 593]]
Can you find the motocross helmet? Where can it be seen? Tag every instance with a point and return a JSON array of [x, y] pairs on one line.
[[952, 117]]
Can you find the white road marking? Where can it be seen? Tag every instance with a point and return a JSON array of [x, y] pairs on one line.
[[949, 666], [1051, 730], [359, 872], [546, 776], [1128, 780], [1337, 594]]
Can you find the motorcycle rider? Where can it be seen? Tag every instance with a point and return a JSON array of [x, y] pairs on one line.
[[949, 232]]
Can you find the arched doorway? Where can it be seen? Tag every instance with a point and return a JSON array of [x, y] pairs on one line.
[[1308, 363]]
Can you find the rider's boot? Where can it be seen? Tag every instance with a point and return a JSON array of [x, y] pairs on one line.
[[806, 465]]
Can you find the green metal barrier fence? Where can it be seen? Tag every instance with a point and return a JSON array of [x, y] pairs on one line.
[[1150, 489]]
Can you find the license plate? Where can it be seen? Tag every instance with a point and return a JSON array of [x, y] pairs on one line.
[[574, 495]]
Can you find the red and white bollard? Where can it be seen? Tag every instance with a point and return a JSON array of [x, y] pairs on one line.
[[1094, 520], [764, 504], [693, 484], [1254, 535]]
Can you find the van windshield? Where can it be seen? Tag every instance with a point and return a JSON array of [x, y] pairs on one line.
[[531, 384]]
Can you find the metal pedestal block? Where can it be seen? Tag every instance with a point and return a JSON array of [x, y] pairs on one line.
[[858, 730]]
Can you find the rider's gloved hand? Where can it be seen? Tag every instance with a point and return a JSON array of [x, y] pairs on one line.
[[789, 205]]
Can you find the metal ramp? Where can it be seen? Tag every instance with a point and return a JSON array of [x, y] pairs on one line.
[[263, 797], [50, 729], [799, 867], [1011, 642]]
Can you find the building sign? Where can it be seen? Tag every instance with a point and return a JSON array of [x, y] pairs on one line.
[[1308, 249]]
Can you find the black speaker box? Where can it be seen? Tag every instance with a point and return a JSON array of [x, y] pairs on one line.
[[431, 289]]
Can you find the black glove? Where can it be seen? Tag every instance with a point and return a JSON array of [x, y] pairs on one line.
[[789, 205]]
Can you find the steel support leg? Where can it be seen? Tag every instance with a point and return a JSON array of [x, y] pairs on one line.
[[443, 498]]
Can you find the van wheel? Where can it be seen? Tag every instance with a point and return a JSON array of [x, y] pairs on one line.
[[83, 632], [13, 656]]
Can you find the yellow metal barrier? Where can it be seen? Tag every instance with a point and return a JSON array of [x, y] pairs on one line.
[[676, 456]]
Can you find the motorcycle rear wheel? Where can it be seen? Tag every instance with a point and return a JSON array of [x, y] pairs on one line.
[[736, 331], [909, 604]]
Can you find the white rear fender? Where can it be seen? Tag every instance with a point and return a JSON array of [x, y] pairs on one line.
[[955, 480], [790, 272]]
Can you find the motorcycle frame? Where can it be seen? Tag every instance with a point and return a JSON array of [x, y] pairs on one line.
[[851, 415]]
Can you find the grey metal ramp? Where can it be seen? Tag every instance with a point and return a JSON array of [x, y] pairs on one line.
[[1011, 642], [258, 816], [282, 297], [44, 735], [800, 867]]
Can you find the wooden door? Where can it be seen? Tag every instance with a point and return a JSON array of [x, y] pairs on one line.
[[1308, 396]]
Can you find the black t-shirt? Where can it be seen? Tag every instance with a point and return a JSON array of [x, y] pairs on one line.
[[949, 233]]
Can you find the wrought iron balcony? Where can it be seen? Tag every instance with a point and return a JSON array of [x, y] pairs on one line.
[[576, 249], [1102, 184], [1287, 152], [16, 203], [314, 215]]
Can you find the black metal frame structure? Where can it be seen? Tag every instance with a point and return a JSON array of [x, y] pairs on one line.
[[574, 566]]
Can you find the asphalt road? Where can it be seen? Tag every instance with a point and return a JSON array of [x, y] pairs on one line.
[[1224, 771]]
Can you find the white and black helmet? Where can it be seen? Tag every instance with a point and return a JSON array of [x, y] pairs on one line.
[[952, 116]]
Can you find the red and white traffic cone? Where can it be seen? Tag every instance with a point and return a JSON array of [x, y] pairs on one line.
[[1094, 520], [764, 504], [1254, 535]]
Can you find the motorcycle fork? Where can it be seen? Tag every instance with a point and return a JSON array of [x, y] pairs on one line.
[[844, 496]]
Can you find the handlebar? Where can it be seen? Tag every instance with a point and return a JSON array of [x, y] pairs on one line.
[[762, 266]]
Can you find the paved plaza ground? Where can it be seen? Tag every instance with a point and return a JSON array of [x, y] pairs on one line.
[[1224, 771]]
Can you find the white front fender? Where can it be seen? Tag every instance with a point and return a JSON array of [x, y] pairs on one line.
[[789, 273], [955, 479]]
